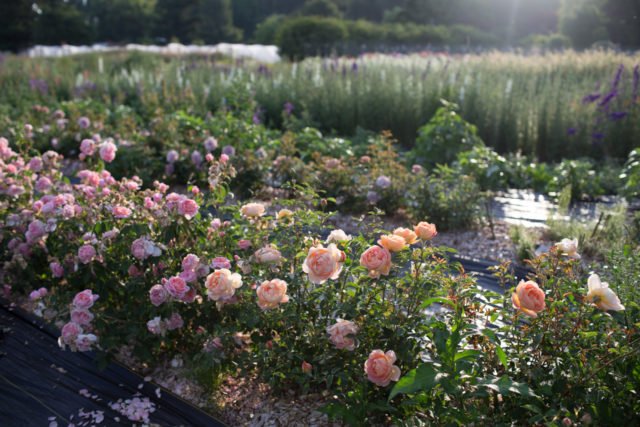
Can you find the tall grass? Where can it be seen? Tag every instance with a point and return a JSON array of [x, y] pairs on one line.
[[531, 103]]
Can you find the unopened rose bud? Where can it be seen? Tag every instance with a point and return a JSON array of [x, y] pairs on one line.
[[306, 367]]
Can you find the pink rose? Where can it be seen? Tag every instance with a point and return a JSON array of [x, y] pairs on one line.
[[190, 262], [220, 262], [380, 368], [221, 284], [35, 164], [268, 254], [121, 212], [176, 287], [158, 295], [175, 322], [529, 298], [272, 293], [377, 260], [43, 184], [244, 244], [87, 146], [84, 342], [190, 296], [156, 326], [188, 208], [84, 300], [339, 334], [81, 316], [108, 151], [322, 263], [306, 367], [189, 276], [70, 332], [86, 254], [425, 230], [56, 269]]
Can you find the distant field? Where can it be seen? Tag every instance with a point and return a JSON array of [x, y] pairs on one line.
[[552, 105]]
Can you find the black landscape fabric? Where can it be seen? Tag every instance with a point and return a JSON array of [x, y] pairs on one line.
[[39, 381]]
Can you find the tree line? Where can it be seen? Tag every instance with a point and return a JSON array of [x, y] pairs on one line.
[[579, 23]]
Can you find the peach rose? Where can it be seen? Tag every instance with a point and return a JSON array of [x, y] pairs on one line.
[[380, 368], [268, 254], [529, 298], [601, 295], [425, 230], [322, 263], [409, 236], [222, 284], [121, 212], [377, 260], [272, 293], [392, 242], [252, 210], [339, 334]]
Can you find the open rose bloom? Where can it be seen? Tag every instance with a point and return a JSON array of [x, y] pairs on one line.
[[322, 264], [252, 210], [268, 254], [425, 230], [380, 368], [339, 334], [222, 284], [569, 247], [529, 298], [601, 295], [272, 293], [377, 260]]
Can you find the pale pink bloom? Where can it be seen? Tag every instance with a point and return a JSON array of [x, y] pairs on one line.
[[85, 299], [176, 287], [84, 122], [43, 292], [339, 334], [380, 368], [190, 296], [56, 269], [36, 230], [189, 276], [70, 332], [156, 326], [322, 263], [175, 322], [15, 190], [221, 284], [121, 212], [84, 342], [108, 151], [158, 295], [268, 254], [190, 262], [35, 164], [219, 263], [416, 168], [377, 260], [86, 254], [569, 247], [209, 157], [81, 316], [224, 158], [43, 184], [172, 156], [601, 295], [272, 293], [87, 146], [188, 208], [244, 244], [134, 271], [252, 210], [338, 236], [34, 295]]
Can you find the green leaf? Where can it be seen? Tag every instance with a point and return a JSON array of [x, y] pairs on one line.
[[423, 378], [441, 300], [505, 386], [501, 355], [467, 354]]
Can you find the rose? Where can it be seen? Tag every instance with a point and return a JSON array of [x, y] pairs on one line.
[[601, 295], [569, 247], [380, 368], [188, 208], [176, 287], [56, 269], [210, 144], [529, 298], [322, 263], [377, 260], [244, 244], [268, 254], [189, 276], [306, 367], [43, 184], [81, 316], [175, 322], [172, 156], [252, 210], [284, 213], [425, 230], [272, 293], [108, 151], [190, 262], [84, 300], [220, 262], [383, 181], [85, 341], [157, 326], [408, 235], [221, 284], [121, 212], [339, 334], [87, 146], [338, 236], [70, 332], [392, 242], [86, 254], [137, 249], [157, 294]]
